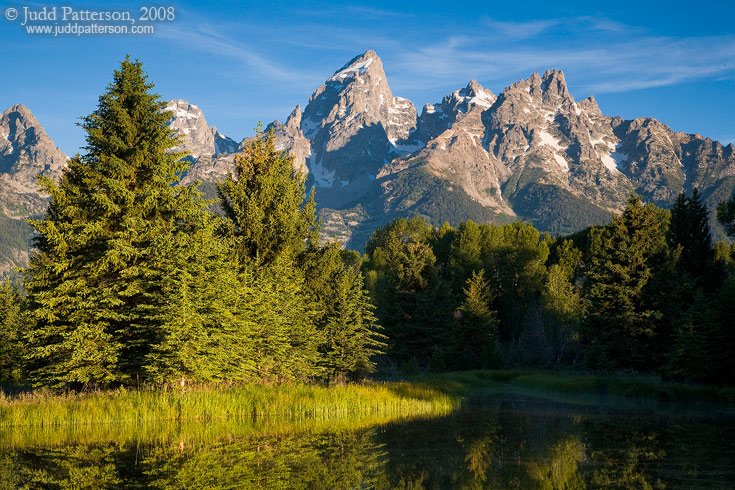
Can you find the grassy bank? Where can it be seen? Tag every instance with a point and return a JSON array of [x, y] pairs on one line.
[[212, 402], [419, 395]]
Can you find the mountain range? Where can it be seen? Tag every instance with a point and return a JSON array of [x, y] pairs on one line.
[[531, 152]]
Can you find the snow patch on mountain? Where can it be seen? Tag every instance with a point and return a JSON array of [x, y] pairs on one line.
[[351, 71], [562, 162], [549, 140], [323, 177]]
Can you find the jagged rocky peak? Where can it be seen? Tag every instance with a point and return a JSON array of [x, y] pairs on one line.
[[476, 94], [355, 124], [359, 65], [436, 118], [188, 121], [589, 106], [290, 138], [294, 119], [554, 84], [548, 92], [26, 150], [222, 144], [198, 138]]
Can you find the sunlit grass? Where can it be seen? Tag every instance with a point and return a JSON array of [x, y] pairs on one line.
[[421, 395], [212, 402]]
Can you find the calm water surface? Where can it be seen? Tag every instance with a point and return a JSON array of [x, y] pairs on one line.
[[498, 442]]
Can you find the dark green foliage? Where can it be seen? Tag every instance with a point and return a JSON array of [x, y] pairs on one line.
[[263, 201], [343, 312], [418, 275], [117, 248], [556, 210], [723, 335], [401, 274], [622, 326], [513, 258], [13, 323], [689, 229], [476, 332], [563, 302], [726, 215], [691, 356]]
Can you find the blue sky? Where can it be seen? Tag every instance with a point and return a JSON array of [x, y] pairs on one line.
[[242, 62]]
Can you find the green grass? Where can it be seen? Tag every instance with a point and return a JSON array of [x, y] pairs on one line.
[[420, 395], [213, 402]]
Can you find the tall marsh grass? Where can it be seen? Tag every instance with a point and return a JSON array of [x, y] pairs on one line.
[[421, 395], [212, 402]]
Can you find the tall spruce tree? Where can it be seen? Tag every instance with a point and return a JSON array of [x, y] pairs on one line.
[[12, 326], [476, 335], [271, 226], [689, 229], [562, 300], [115, 246], [401, 273], [266, 206], [623, 324], [343, 312], [726, 215]]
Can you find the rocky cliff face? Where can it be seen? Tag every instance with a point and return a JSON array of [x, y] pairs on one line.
[[197, 137], [532, 153], [25, 152], [355, 124], [290, 137]]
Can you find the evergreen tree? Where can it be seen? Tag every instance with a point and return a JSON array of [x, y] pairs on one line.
[[12, 326], [621, 328], [562, 299], [722, 336], [726, 215], [411, 304], [691, 356], [477, 332], [344, 313], [352, 335], [689, 229], [115, 230], [272, 233], [202, 335], [265, 203], [286, 339], [514, 258]]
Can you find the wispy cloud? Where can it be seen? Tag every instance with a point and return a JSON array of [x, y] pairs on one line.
[[373, 12], [518, 30], [241, 56], [624, 60], [601, 54], [210, 40]]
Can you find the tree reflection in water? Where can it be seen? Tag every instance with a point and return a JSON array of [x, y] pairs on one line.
[[504, 443]]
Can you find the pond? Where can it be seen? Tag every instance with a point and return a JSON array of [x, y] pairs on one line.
[[517, 441]]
